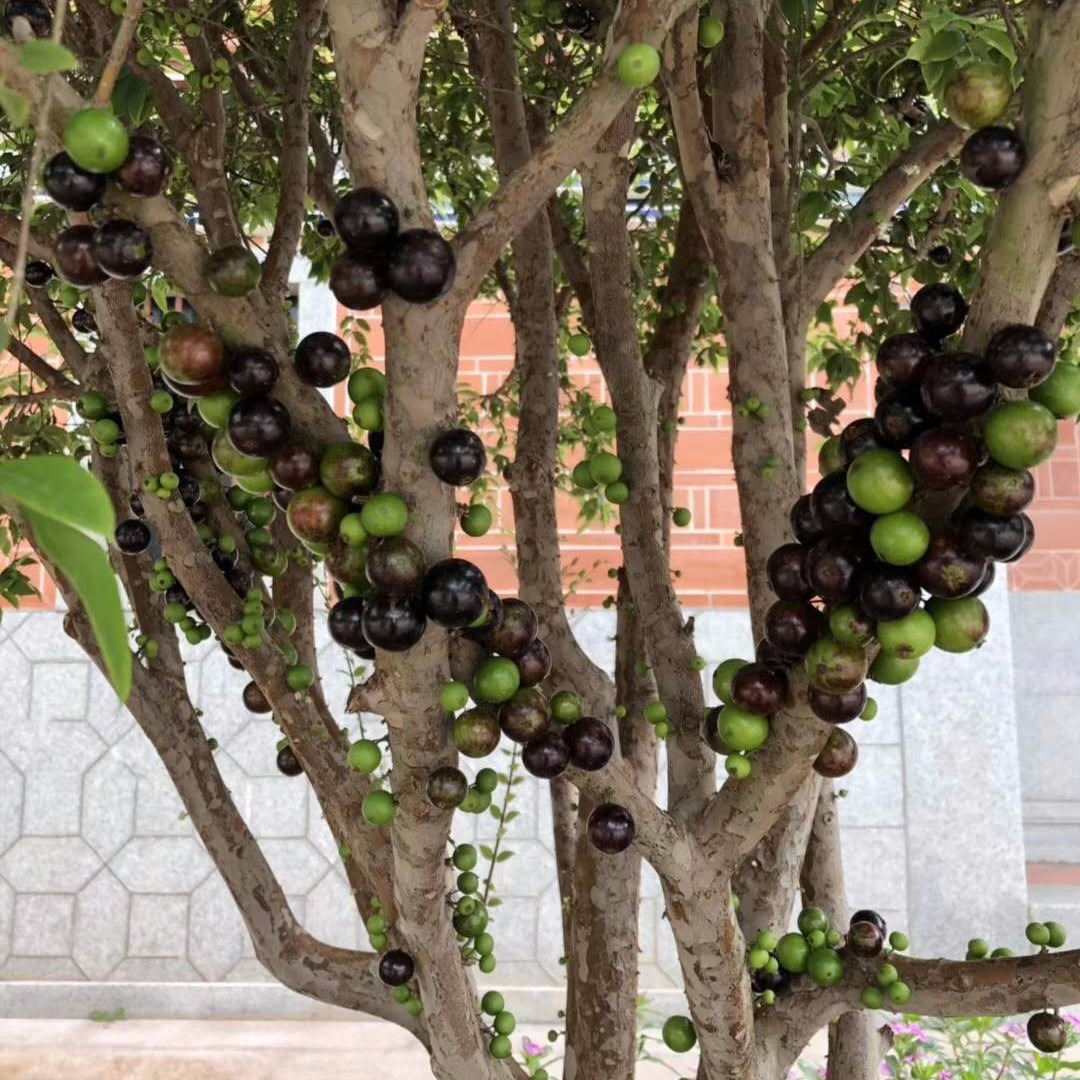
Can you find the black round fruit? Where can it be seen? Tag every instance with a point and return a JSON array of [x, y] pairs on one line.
[[37, 274], [73, 188], [447, 787], [940, 255], [786, 571], [958, 386], [458, 457], [288, 763], [999, 490], [866, 915], [83, 321], [394, 566], [858, 437], [133, 536], [322, 359], [1020, 356], [805, 523], [454, 593], [990, 536], [525, 715], [393, 623], [254, 699], [759, 689], [147, 170], [367, 221], [1047, 1032], [832, 567], [258, 426], [900, 419], [421, 266], [252, 372], [837, 708], [516, 628], [546, 756], [836, 509], [1029, 540], [591, 743], [295, 466], [901, 359], [346, 625], [865, 939], [356, 285], [792, 627], [534, 663], [611, 828], [35, 12], [776, 981], [75, 262], [325, 228], [396, 967], [938, 310], [947, 570], [838, 756], [888, 592], [943, 458], [993, 157]]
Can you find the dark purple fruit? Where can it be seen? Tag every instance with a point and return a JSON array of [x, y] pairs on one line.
[[73, 188], [999, 490], [578, 19], [901, 360], [765, 652], [393, 623], [993, 157], [832, 566], [866, 915], [837, 708], [347, 564], [591, 743], [458, 457], [865, 939], [1029, 540], [447, 787], [367, 221], [786, 570], [37, 274], [805, 523], [711, 730], [322, 359], [1047, 1032], [225, 560], [476, 732], [958, 386], [525, 715], [839, 754], [836, 509], [1020, 356], [454, 593], [534, 663], [421, 266], [254, 699], [888, 592], [938, 310], [147, 170], [483, 629], [776, 981], [988, 578], [792, 627], [394, 566], [940, 254], [258, 426], [943, 460], [396, 967], [900, 419], [295, 466], [947, 569], [325, 228], [546, 756], [132, 536], [83, 321], [858, 437], [35, 12], [348, 469], [356, 285], [123, 250], [516, 629], [990, 536], [611, 828], [288, 763], [252, 372], [192, 354], [75, 262], [758, 688]]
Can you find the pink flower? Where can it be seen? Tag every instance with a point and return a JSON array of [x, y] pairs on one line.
[[533, 1049], [912, 1030], [1072, 1021]]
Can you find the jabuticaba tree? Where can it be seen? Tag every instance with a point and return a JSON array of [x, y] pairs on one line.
[[652, 183]]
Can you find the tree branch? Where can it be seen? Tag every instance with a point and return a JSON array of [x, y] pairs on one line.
[[57, 383], [1060, 297]]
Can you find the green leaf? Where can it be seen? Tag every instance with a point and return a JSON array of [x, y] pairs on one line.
[[61, 489], [998, 40], [43, 57], [87, 567], [15, 105], [944, 45], [503, 856], [487, 852]]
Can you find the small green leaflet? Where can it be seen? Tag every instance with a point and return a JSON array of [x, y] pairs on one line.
[[16, 106], [43, 57], [61, 489], [87, 567]]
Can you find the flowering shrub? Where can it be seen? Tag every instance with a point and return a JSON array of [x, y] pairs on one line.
[[983, 1048]]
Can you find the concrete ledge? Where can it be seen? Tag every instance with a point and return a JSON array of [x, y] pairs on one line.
[[241, 1001]]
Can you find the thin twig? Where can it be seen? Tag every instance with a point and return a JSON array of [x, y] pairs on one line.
[[121, 46]]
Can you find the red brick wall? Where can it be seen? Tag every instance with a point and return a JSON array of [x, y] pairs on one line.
[[710, 566]]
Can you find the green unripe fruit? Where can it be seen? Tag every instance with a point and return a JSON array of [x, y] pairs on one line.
[[638, 65], [1020, 434], [604, 468], [1060, 393], [453, 696], [681, 517], [476, 520], [825, 967], [365, 756], [811, 919], [723, 676], [402, 994], [892, 670], [261, 512], [710, 32], [978, 95], [1037, 933], [849, 626], [655, 711], [736, 766], [492, 1003], [505, 1023], [238, 499], [900, 538], [617, 493], [741, 730], [767, 940], [92, 405], [768, 997], [1002, 954], [831, 457], [96, 140], [792, 953], [500, 1048], [886, 975], [468, 882], [486, 963], [1058, 935], [566, 707], [880, 481], [582, 476], [378, 808], [978, 949], [487, 780], [679, 1034], [161, 401], [898, 941], [579, 344], [961, 625], [496, 680], [378, 941], [816, 939], [465, 856], [872, 997], [475, 801], [368, 414], [910, 637], [366, 383], [384, 515], [105, 431], [602, 420], [376, 925], [484, 944], [756, 959], [899, 993]]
